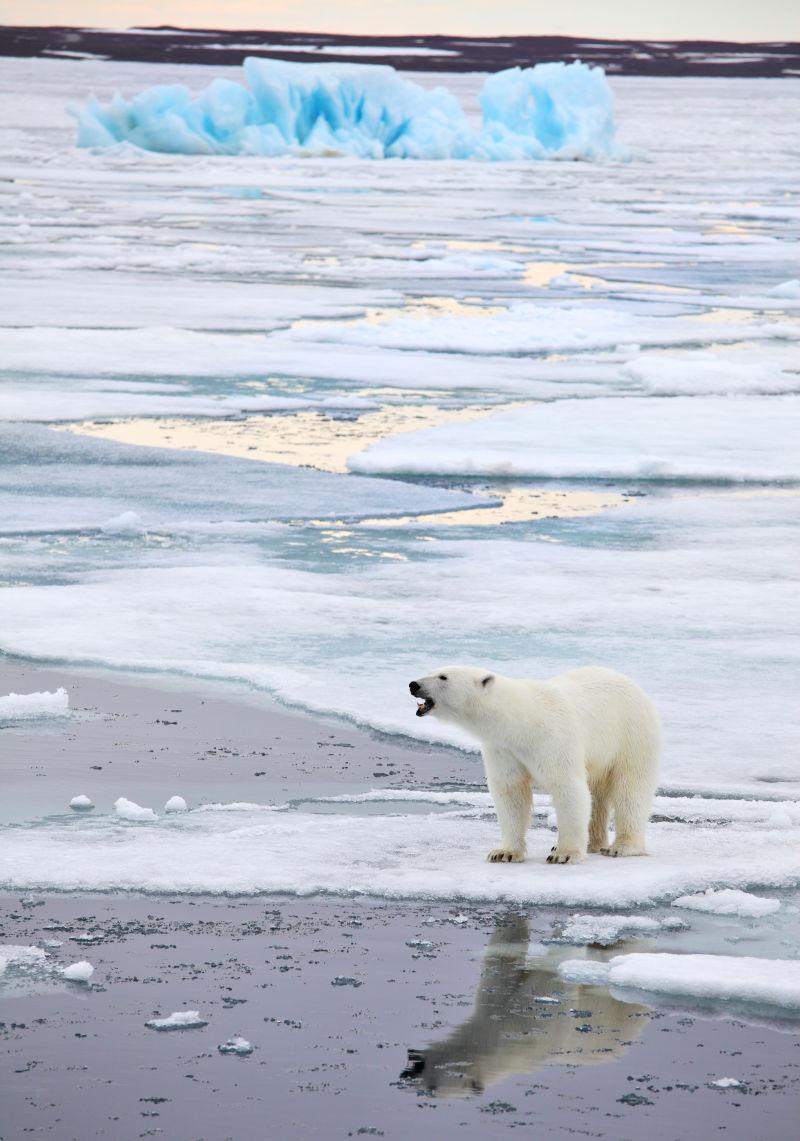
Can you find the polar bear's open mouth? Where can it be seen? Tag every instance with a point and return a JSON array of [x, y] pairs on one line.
[[424, 705]]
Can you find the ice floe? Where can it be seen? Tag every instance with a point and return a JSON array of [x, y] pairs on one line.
[[691, 438], [729, 901], [175, 804], [773, 982], [606, 930], [25, 706], [551, 110], [236, 1045], [434, 856], [13, 955], [81, 802], [178, 1020]]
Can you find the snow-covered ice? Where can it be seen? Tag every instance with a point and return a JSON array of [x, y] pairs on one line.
[[703, 438], [178, 1020], [81, 802], [728, 901], [175, 804], [78, 972], [441, 855], [551, 110], [129, 810], [24, 706], [773, 982]]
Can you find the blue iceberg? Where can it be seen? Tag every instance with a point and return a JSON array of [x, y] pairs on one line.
[[553, 110]]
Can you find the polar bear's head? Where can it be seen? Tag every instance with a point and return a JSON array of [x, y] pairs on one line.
[[454, 693]]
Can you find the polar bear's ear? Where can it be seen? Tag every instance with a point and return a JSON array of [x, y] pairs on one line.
[[487, 681]]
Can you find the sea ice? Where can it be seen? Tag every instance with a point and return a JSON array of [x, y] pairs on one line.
[[23, 706], [82, 803], [435, 856], [78, 972], [129, 810], [775, 982], [178, 1020], [175, 804], [235, 1045], [727, 1083], [729, 901], [605, 930], [702, 438], [552, 110], [14, 955]]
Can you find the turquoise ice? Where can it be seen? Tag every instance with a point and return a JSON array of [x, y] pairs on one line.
[[553, 110]]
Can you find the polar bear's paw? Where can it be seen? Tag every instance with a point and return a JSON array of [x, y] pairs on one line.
[[506, 856], [559, 855], [623, 849]]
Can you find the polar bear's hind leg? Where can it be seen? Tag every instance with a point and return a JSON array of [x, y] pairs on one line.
[[601, 808], [632, 800]]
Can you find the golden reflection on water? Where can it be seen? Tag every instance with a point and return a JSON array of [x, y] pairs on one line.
[[302, 439]]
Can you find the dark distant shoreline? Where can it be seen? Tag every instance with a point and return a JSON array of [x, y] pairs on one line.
[[407, 53]]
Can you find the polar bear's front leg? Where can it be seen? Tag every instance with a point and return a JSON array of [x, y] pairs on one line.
[[573, 806], [510, 787]]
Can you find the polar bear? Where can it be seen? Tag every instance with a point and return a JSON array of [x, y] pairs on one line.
[[590, 738]]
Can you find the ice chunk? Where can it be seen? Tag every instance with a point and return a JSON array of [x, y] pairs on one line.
[[15, 955], [552, 110], [82, 803], [78, 972], [236, 1045], [127, 523], [176, 804], [129, 810], [771, 981], [703, 438], [729, 901], [178, 1020], [605, 930], [727, 1083], [22, 706]]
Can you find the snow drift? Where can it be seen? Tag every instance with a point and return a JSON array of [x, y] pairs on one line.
[[553, 110]]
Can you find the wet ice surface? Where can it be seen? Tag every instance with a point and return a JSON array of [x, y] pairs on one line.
[[460, 1015]]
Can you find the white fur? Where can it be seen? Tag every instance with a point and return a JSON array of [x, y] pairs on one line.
[[590, 738]]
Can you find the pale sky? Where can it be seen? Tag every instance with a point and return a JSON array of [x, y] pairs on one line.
[[607, 19]]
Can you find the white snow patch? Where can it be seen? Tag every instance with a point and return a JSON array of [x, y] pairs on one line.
[[178, 1020], [729, 901], [22, 706], [176, 804], [82, 802], [129, 810], [771, 981], [78, 972]]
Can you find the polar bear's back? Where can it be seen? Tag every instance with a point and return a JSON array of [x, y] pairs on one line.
[[617, 718]]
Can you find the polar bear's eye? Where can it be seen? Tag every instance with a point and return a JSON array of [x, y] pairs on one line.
[[442, 677]]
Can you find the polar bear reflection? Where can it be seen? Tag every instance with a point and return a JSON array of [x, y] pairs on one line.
[[526, 1017]]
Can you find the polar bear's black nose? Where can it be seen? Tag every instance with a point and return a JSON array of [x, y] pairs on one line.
[[414, 686]]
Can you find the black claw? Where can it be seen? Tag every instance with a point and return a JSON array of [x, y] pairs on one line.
[[566, 859]]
